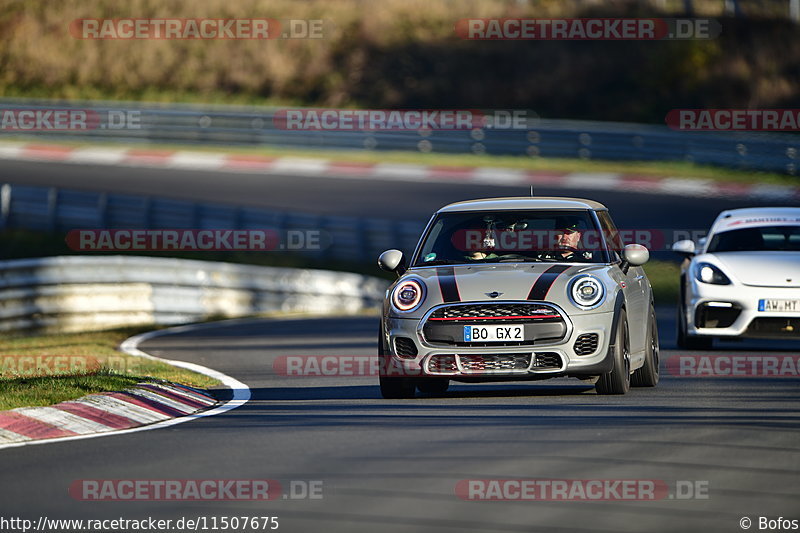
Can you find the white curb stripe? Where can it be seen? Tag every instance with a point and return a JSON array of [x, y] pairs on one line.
[[116, 406], [400, 171], [169, 402], [184, 393], [295, 165], [97, 156], [592, 180], [688, 186], [12, 151], [197, 161], [7, 436], [62, 419], [493, 175]]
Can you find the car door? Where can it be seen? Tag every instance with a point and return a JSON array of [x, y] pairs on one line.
[[634, 286]]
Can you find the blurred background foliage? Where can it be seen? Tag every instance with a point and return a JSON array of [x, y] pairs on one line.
[[404, 53]]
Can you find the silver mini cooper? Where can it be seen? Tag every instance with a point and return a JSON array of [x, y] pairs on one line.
[[518, 289]]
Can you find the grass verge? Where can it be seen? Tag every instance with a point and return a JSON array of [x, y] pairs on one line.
[[665, 280], [41, 370]]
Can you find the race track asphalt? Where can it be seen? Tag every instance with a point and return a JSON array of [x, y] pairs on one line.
[[394, 465]]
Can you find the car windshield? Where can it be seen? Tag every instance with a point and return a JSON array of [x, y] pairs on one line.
[[512, 236], [759, 239]]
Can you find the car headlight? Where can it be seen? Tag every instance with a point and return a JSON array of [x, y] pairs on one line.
[[586, 291], [408, 295], [708, 273]]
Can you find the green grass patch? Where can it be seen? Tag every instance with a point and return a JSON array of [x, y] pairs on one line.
[[665, 280], [49, 390], [40, 370]]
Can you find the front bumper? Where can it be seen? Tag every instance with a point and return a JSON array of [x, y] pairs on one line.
[[497, 362], [733, 311]]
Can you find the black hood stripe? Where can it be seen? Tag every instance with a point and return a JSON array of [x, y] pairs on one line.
[[447, 284], [542, 285]]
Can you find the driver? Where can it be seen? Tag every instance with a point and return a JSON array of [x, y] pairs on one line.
[[567, 239]]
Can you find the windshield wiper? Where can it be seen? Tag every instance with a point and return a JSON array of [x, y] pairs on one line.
[[436, 262], [519, 258]]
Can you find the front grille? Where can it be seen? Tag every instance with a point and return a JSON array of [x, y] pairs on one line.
[[586, 344], [547, 360], [489, 311], [405, 347], [442, 364], [542, 323], [506, 361], [774, 327]]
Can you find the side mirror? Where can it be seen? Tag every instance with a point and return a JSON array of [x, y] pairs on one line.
[[635, 255], [392, 261], [684, 247]]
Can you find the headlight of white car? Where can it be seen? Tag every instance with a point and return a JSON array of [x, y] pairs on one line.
[[586, 292], [408, 295], [708, 273]]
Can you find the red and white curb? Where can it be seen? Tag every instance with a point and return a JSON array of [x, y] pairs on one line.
[[209, 161], [146, 406]]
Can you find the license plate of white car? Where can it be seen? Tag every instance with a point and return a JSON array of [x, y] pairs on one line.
[[778, 306], [493, 333]]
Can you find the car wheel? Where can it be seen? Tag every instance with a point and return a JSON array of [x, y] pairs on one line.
[[686, 341], [433, 385], [397, 388], [392, 388], [647, 375], [618, 381]]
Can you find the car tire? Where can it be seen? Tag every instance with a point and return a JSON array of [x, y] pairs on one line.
[[647, 375], [686, 341], [618, 381], [392, 388], [397, 388], [433, 385]]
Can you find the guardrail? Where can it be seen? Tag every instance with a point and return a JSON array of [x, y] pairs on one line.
[[50, 209], [255, 126], [79, 293]]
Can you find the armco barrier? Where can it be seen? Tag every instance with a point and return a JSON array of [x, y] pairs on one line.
[[79, 293], [350, 239], [254, 126]]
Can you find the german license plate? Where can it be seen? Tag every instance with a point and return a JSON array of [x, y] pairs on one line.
[[493, 333], [778, 306]]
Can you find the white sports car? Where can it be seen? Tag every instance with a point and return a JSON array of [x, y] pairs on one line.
[[743, 280]]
